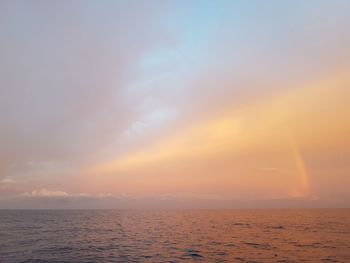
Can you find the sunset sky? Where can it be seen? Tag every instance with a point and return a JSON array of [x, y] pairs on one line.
[[174, 104]]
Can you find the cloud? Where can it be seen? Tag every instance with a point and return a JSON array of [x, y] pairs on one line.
[[45, 193], [7, 180], [51, 194], [63, 76], [90, 82], [43, 199]]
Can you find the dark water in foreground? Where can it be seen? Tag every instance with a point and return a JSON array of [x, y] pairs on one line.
[[175, 236]]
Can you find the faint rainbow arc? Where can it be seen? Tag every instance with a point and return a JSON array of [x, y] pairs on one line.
[[303, 174]]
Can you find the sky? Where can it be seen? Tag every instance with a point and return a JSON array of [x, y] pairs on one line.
[[174, 104]]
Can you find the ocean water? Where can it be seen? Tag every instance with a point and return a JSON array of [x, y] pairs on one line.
[[175, 236]]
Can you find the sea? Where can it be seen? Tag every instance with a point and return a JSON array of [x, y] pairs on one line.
[[175, 236]]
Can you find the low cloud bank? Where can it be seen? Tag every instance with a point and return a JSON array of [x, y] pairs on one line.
[[57, 199]]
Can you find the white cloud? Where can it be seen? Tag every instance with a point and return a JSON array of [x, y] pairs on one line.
[[45, 193], [58, 193], [7, 180]]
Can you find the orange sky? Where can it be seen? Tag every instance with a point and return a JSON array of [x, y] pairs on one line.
[[259, 147], [174, 104]]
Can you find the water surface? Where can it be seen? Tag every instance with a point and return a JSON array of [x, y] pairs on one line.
[[174, 236]]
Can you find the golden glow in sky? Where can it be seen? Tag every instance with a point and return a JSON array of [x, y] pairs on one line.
[[229, 104]]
